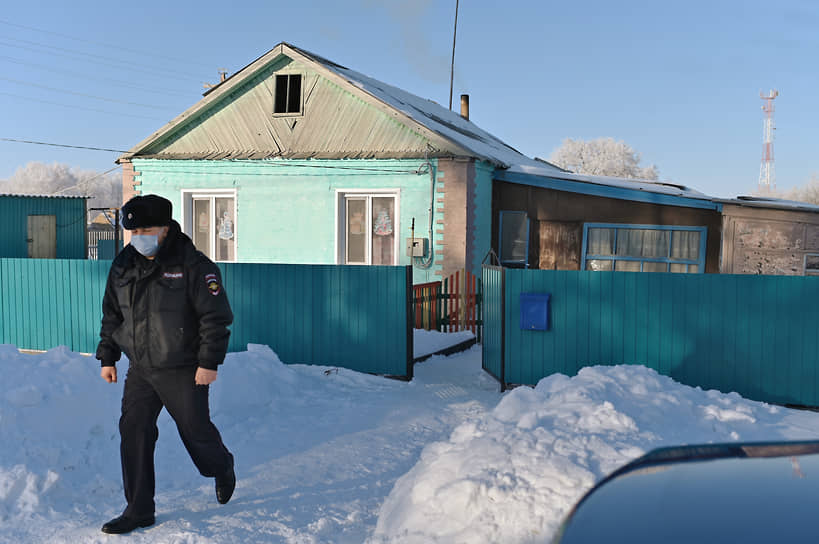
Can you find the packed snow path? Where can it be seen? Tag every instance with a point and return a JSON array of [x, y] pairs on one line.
[[328, 455], [317, 449]]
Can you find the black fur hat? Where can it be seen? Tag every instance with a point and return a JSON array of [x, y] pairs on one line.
[[146, 211]]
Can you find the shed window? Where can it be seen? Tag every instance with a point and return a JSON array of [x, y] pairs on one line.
[[514, 239], [812, 264], [288, 94], [644, 248]]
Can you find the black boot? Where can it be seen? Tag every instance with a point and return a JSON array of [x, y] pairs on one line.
[[124, 524], [225, 484]]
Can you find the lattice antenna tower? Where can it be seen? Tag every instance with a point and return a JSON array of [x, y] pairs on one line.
[[767, 175]]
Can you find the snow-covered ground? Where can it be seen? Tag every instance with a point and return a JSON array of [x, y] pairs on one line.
[[331, 455]]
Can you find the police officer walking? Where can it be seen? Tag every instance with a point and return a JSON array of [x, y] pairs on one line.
[[166, 309]]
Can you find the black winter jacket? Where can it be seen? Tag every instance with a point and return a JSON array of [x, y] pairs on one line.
[[167, 312]]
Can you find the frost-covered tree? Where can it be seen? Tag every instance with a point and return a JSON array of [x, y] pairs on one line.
[[37, 178], [601, 157], [807, 193]]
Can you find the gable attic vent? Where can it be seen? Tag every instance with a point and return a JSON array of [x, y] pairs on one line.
[[287, 99]]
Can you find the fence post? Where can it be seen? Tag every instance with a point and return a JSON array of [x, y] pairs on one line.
[[410, 334], [503, 331]]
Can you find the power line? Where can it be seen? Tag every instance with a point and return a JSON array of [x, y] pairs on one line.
[[64, 145], [75, 38], [85, 181], [91, 55], [85, 77], [249, 172], [65, 91], [115, 113], [114, 64]]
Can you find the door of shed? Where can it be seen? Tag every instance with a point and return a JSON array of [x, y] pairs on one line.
[[42, 236]]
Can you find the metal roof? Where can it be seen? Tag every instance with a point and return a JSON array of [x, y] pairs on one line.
[[24, 195], [772, 203], [350, 116]]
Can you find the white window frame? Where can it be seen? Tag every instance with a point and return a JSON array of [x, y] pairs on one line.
[[340, 225], [188, 195]]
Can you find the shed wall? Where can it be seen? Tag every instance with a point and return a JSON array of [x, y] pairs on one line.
[[70, 217], [767, 241], [559, 216]]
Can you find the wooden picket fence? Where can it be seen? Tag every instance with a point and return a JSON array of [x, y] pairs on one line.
[[452, 305]]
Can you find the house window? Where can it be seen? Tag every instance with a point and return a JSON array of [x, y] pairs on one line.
[[210, 220], [514, 239], [367, 229], [287, 99], [643, 248], [812, 264]]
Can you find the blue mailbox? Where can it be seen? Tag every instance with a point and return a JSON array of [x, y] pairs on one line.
[[534, 311]]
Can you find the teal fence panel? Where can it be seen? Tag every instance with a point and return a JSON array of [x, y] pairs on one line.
[[350, 316], [755, 335], [492, 354], [51, 302], [353, 317]]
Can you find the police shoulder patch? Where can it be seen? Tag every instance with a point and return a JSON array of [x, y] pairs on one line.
[[213, 284]]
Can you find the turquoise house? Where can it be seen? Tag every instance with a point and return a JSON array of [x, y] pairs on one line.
[[297, 159]]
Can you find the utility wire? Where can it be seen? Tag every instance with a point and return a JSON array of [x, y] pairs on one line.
[[64, 145], [108, 45], [75, 93], [114, 113], [85, 181], [115, 64], [85, 77], [240, 163], [120, 61]]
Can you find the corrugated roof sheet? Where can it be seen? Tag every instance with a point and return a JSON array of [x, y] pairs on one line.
[[18, 195], [772, 203], [400, 125]]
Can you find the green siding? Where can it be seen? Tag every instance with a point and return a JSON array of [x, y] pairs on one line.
[[349, 316], [286, 209], [754, 335], [482, 208], [71, 224]]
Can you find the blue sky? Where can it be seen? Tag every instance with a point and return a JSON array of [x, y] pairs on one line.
[[678, 81]]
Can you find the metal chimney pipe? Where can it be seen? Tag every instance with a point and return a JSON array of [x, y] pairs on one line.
[[465, 106]]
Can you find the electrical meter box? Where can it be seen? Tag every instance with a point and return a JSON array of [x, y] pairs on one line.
[[417, 247]]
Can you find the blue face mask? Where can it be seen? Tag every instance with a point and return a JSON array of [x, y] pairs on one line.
[[146, 244]]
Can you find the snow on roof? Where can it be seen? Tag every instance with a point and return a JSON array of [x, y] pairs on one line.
[[435, 117], [661, 187]]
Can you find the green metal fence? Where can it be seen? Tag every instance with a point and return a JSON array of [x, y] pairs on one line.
[[756, 335], [354, 317], [492, 356]]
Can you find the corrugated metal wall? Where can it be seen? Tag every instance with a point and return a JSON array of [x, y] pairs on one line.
[[755, 335], [348, 316], [492, 278], [71, 224]]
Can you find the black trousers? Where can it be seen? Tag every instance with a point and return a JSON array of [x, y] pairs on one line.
[[146, 392]]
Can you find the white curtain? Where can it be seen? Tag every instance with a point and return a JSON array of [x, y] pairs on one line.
[[600, 242]]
